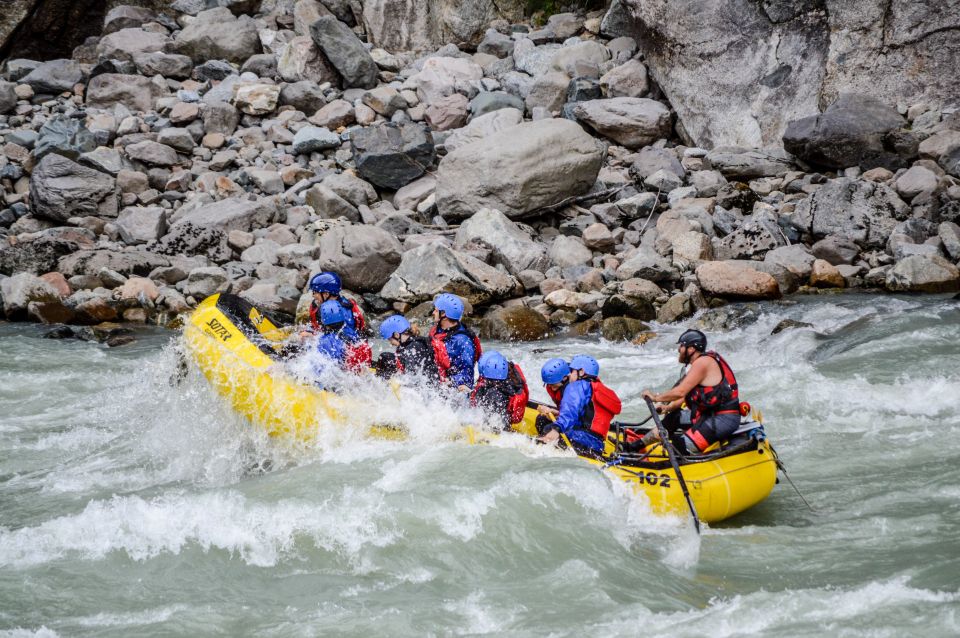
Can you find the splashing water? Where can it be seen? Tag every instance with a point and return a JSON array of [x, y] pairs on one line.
[[133, 506]]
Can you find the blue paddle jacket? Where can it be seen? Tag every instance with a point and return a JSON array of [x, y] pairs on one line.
[[462, 357], [576, 401]]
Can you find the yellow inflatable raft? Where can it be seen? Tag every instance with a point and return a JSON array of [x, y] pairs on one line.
[[236, 347]]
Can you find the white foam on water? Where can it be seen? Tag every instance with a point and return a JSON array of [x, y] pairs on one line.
[[479, 617], [133, 619], [20, 632], [261, 534]]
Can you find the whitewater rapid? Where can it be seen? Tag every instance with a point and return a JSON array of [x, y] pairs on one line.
[[133, 506]]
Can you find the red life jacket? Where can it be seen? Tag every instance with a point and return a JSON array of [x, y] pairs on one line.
[[359, 356], [722, 398], [360, 323], [556, 395], [606, 405], [518, 402], [440, 354]]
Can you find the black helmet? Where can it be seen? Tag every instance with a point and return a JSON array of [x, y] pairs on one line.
[[695, 339]]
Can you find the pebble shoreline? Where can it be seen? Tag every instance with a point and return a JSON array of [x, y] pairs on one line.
[[542, 176]]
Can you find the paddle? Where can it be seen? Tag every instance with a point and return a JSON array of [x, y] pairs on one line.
[[671, 454]]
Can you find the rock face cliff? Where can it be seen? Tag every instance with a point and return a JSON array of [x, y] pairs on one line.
[[737, 71]]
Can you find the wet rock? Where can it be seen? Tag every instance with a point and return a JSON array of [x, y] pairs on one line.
[[677, 308], [850, 132], [91, 308], [864, 212], [364, 256], [345, 52], [55, 76], [433, 268], [790, 324], [923, 273], [728, 318], [508, 244], [514, 323], [622, 328], [392, 155], [624, 305], [736, 280], [518, 169], [631, 122], [218, 35], [61, 189]]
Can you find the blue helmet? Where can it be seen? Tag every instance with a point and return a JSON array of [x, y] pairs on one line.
[[332, 312], [554, 371], [393, 325], [493, 365], [586, 363], [450, 305], [326, 282]]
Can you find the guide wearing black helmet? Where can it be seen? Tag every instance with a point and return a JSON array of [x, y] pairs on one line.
[[709, 389]]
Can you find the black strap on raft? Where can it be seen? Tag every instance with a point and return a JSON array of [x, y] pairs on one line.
[[672, 455]]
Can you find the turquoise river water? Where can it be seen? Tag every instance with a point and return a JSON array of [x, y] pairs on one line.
[[133, 507]]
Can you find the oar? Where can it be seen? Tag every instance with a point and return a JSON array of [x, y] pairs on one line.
[[671, 454]]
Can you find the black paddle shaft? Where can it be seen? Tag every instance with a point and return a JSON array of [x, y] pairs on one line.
[[672, 455]]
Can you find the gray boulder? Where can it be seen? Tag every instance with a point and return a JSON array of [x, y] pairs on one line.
[[483, 126], [65, 136], [8, 97], [743, 163], [514, 323], [795, 258], [127, 44], [433, 268], [135, 92], [61, 189], [152, 153], [850, 132], [169, 65], [126, 17], [312, 139], [365, 256], [232, 214], [345, 52], [629, 121], [507, 243], [518, 169], [304, 96], [392, 155], [218, 35], [864, 212], [55, 76], [835, 250], [923, 273], [490, 101], [134, 261], [140, 225], [646, 263]]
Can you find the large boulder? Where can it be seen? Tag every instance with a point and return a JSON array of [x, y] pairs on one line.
[[232, 214], [37, 256], [8, 97], [127, 44], [508, 244], [345, 52], [630, 121], [519, 169], [218, 35], [743, 163], [422, 25], [434, 267], [736, 280], [442, 76], [61, 189], [864, 212], [55, 76], [732, 68], [365, 256], [483, 126], [134, 261], [923, 273], [646, 263], [21, 289], [853, 131], [135, 92], [392, 155], [514, 323]]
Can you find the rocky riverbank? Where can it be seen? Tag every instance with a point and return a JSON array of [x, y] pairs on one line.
[[539, 171]]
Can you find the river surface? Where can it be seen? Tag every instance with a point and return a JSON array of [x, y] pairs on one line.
[[130, 506]]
